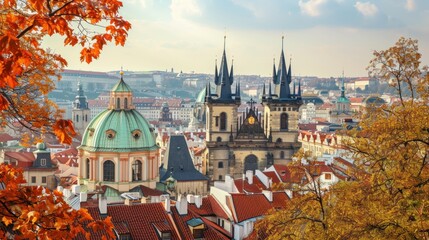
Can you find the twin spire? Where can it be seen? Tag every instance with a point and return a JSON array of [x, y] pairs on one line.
[[282, 78]]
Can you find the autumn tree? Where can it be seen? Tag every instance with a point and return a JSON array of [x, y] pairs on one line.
[[390, 147], [27, 71], [38, 213]]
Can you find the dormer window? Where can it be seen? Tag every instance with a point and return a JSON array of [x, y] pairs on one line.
[[136, 134], [91, 131], [43, 162], [110, 134]]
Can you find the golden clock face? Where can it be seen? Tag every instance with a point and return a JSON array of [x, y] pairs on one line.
[[251, 120]]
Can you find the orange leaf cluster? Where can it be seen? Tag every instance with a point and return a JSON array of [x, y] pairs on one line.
[[25, 66], [38, 213]]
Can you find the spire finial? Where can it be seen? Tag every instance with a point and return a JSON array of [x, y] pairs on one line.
[[224, 42], [283, 37], [121, 72]]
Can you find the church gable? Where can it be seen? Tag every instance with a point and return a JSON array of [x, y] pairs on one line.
[[251, 127]]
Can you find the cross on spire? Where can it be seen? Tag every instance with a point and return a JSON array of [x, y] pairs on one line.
[[251, 102]]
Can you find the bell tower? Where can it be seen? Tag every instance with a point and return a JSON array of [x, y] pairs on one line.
[[221, 117], [281, 108], [81, 112]]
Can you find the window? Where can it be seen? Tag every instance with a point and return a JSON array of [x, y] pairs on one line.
[[282, 154], [118, 103], [220, 164], [126, 103], [86, 117], [43, 179], [137, 170], [43, 162], [87, 168], [328, 176], [166, 235], [217, 121], [220, 177], [77, 118], [108, 171], [218, 139], [33, 179], [222, 121], [198, 233], [124, 237], [284, 121]]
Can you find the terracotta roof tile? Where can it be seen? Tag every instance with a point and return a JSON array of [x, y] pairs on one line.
[[273, 176], [249, 206], [218, 210], [280, 199], [205, 208]]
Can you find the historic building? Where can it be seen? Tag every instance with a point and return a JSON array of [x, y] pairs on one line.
[[249, 141], [80, 114], [342, 111], [118, 147]]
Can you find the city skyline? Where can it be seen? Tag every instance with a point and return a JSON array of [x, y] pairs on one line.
[[323, 37]]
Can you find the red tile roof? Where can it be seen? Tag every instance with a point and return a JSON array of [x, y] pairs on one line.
[[23, 159], [140, 219], [246, 206], [273, 176], [4, 137], [280, 199], [147, 192], [218, 210], [205, 208]]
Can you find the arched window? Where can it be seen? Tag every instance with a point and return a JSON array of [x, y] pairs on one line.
[[108, 171], [284, 121], [118, 103], [86, 117], [218, 139], [126, 103], [137, 170], [222, 121], [250, 163], [282, 154], [279, 140], [87, 168], [77, 118], [220, 164]]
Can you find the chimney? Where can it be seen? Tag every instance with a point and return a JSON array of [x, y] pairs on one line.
[[76, 189], [249, 176], [128, 202], [289, 193], [190, 198], [268, 194], [83, 197], [102, 205], [143, 200], [182, 205], [198, 201], [167, 204]]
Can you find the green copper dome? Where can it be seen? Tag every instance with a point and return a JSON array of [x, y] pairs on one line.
[[201, 96], [118, 131], [120, 128], [343, 100]]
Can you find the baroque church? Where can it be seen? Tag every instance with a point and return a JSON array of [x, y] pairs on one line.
[[118, 147], [237, 142]]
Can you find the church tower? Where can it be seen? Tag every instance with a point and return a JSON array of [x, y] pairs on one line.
[[221, 117], [281, 109], [80, 112]]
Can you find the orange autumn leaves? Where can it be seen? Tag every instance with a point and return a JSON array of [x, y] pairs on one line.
[[23, 62], [38, 213]]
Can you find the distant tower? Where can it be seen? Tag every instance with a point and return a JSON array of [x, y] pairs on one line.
[[165, 115], [81, 112]]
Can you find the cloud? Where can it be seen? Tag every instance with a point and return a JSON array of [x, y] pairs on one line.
[[410, 5], [311, 7], [366, 8], [180, 9]]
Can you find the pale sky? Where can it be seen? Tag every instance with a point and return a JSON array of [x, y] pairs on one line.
[[323, 37]]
